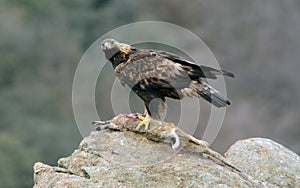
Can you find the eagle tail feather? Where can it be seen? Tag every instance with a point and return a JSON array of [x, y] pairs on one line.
[[213, 96], [227, 73]]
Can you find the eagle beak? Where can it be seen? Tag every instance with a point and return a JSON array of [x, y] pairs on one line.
[[106, 46]]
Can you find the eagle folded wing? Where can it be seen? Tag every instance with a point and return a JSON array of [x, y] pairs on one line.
[[194, 70], [153, 72]]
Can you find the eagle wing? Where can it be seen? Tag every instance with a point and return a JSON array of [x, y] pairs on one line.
[[152, 71], [158, 74], [194, 70]]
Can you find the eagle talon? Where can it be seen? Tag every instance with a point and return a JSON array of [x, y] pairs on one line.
[[140, 117], [144, 122]]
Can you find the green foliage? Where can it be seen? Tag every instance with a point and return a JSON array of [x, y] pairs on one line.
[[16, 161]]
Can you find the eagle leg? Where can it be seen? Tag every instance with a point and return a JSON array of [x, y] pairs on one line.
[[145, 121]]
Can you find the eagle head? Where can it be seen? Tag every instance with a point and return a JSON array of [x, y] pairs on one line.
[[109, 44], [110, 47]]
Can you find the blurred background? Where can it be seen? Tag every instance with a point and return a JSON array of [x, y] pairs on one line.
[[41, 43]]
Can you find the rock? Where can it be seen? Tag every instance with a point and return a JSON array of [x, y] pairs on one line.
[[266, 160], [127, 159]]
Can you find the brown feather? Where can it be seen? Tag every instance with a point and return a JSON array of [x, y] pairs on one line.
[[157, 74]]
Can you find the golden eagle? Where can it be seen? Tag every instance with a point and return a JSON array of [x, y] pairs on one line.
[[154, 75]]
